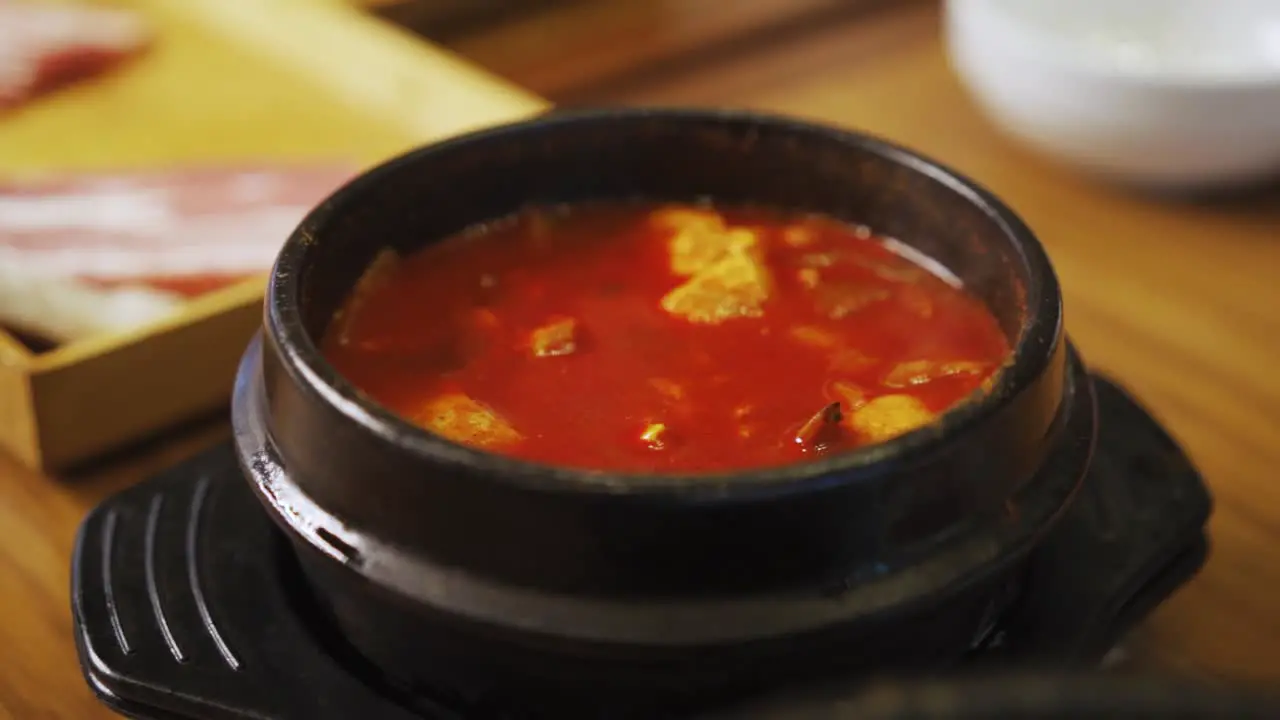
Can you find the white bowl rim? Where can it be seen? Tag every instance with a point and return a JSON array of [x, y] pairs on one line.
[[1034, 42]]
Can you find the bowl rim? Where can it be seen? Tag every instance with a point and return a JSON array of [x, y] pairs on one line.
[[1037, 342], [1036, 44]]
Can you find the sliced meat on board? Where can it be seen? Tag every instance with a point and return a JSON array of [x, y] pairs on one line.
[[90, 254], [60, 310], [44, 45]]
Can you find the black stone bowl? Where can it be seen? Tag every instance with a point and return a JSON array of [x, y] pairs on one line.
[[500, 581]]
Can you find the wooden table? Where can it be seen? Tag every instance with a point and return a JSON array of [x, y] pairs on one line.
[[1174, 299]]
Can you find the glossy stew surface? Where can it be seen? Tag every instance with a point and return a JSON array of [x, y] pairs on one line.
[[664, 338]]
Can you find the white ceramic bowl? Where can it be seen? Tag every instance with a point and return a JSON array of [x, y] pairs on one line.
[[1158, 92]]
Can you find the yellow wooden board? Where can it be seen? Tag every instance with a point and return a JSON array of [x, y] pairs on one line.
[[227, 82]]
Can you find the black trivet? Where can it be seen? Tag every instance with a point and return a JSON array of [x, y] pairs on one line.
[[188, 605]]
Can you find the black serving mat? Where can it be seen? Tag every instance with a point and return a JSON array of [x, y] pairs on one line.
[[187, 604]]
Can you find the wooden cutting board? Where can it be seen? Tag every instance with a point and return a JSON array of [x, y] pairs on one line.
[[227, 81]]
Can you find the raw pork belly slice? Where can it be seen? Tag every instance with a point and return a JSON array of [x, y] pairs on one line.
[[91, 254], [62, 310], [44, 45]]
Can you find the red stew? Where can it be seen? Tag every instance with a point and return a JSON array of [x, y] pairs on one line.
[[643, 338]]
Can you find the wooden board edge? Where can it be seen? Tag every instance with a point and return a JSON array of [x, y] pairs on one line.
[[90, 397], [12, 351], [89, 405], [19, 432]]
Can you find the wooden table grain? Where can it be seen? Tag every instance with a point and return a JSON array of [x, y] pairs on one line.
[[1175, 299]]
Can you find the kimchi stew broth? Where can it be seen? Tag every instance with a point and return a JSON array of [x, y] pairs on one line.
[[663, 338]]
